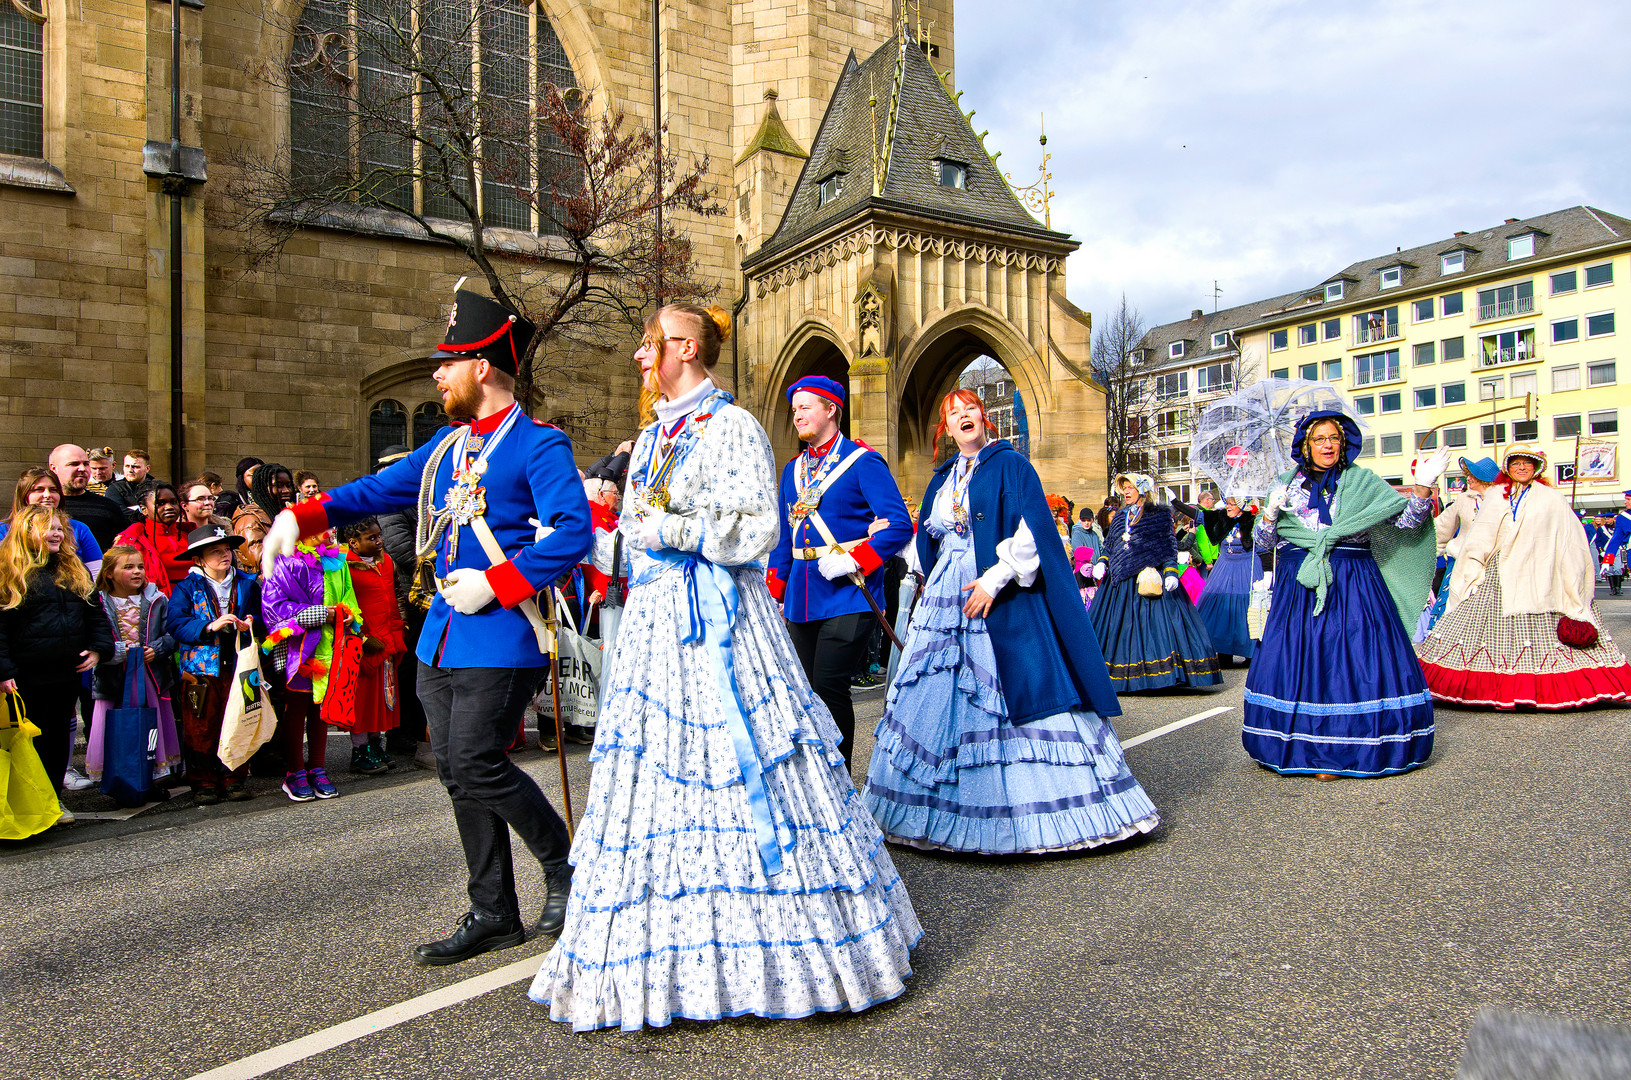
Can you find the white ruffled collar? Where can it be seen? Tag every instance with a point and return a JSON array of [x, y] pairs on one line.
[[685, 404]]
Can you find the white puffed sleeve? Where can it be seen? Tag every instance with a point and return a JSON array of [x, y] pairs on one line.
[[1017, 558]]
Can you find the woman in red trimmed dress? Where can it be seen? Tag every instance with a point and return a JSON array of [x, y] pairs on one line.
[[1521, 628]]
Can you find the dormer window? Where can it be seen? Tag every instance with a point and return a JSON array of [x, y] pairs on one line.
[[1520, 247], [1176, 350], [1333, 291], [830, 189], [1220, 340], [951, 174], [1391, 277], [1453, 263]]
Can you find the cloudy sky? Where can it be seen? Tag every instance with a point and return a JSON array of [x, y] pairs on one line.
[[1268, 144]]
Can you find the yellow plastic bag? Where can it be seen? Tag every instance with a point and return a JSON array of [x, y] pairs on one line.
[[30, 802]]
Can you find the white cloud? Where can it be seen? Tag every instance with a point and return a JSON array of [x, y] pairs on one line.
[[1268, 144]]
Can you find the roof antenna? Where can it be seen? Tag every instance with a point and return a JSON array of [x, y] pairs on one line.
[[1216, 292]]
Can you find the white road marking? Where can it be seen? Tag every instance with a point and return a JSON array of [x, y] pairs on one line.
[[127, 814], [1136, 740], [319, 1041]]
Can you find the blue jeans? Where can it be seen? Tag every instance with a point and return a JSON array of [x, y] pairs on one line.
[[472, 714]]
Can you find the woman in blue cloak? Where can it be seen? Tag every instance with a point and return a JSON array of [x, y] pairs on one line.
[[996, 737]]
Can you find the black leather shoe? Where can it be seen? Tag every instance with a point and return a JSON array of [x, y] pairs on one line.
[[554, 914], [474, 936]]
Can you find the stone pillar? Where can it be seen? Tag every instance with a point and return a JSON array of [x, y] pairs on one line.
[[872, 420]]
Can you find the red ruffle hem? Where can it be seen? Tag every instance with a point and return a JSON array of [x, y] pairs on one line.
[[1527, 689]]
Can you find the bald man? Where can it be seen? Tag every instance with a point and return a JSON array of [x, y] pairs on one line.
[[104, 517]]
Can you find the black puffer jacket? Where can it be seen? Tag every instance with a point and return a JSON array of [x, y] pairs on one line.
[[396, 532], [41, 639]]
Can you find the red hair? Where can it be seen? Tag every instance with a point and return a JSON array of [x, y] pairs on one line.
[[967, 397]]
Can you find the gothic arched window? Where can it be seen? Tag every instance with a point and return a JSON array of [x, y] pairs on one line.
[[393, 103], [387, 427], [428, 419]]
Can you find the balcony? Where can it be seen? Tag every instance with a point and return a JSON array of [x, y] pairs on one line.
[[1372, 333], [1506, 309]]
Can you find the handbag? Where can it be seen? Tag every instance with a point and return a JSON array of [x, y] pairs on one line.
[[344, 675], [130, 736], [578, 670], [250, 721], [1193, 583], [1257, 610], [1149, 583], [28, 802]]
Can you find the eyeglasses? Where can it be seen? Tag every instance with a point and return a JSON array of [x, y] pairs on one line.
[[203, 499], [1325, 440], [649, 342]]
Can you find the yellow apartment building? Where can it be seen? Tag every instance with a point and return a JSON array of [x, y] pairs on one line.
[[1507, 334]]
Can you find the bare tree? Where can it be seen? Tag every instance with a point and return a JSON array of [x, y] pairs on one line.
[[437, 119], [1129, 402]]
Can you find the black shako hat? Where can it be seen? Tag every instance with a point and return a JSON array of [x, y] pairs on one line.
[[480, 328]]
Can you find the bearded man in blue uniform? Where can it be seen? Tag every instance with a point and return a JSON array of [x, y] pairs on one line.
[[503, 514], [1612, 568], [831, 495]]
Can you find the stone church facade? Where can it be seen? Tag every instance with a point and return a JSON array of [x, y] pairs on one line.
[[892, 285]]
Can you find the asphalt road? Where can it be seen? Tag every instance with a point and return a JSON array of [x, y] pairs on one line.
[[1272, 927]]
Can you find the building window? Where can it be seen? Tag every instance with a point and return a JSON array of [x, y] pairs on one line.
[[1391, 277], [1490, 389], [1492, 434], [1566, 427], [1454, 393], [1391, 403], [1421, 354], [1507, 347], [22, 84], [1564, 281], [1366, 405], [1333, 291], [1311, 372], [1367, 446], [1604, 423], [1426, 440], [1426, 397], [1278, 339], [1306, 334], [1600, 374], [1453, 263], [1376, 367], [1392, 444], [1422, 310], [1176, 350], [1173, 459], [1455, 438], [1377, 325], [1525, 430], [1452, 349], [1330, 329], [428, 419], [1565, 378], [1520, 247], [1600, 324], [1601, 274], [1565, 330], [951, 174], [1524, 382], [1280, 373], [1215, 378], [1333, 370], [367, 85], [1172, 422], [1506, 300], [1449, 304], [1220, 339], [387, 427], [1175, 384], [830, 189]]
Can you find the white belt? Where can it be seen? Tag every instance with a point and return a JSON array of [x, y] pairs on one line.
[[806, 553]]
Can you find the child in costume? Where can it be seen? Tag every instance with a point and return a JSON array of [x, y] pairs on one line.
[[373, 577], [136, 611]]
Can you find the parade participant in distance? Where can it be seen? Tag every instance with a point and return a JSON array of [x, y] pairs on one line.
[[1336, 691], [1208, 549], [500, 504], [1521, 628], [724, 865], [995, 738], [40, 487], [1222, 605], [1615, 552], [830, 493], [1452, 526], [1148, 630]]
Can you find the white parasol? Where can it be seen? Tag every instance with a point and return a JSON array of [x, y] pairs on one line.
[[1243, 441]]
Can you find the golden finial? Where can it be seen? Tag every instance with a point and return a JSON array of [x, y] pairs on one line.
[[1037, 197]]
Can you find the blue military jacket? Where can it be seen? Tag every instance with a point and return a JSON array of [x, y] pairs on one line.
[[865, 491], [530, 475]]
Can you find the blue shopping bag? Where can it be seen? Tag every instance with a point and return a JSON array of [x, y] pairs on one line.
[[130, 736]]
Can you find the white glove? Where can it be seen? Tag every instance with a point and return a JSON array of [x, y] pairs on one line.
[[280, 540], [541, 530], [1183, 558], [1429, 471], [837, 564], [651, 532], [1276, 503], [1170, 583], [1098, 571], [467, 591]]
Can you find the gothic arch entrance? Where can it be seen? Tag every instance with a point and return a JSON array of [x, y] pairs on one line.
[[812, 352]]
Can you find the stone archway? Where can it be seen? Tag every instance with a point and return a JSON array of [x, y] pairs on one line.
[[813, 349]]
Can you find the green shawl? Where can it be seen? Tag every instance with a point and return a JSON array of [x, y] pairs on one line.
[[1365, 503]]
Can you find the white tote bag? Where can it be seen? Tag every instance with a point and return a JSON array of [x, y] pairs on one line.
[[579, 673]]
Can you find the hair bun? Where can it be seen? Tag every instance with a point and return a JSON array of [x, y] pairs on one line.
[[722, 320]]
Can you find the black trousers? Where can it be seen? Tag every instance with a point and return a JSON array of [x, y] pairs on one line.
[[829, 651], [472, 714], [51, 709]]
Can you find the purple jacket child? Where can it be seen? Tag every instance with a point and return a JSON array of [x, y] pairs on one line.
[[295, 599]]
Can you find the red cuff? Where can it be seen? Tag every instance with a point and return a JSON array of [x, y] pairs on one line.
[[868, 558], [312, 517], [777, 587], [1608, 560], [509, 585]]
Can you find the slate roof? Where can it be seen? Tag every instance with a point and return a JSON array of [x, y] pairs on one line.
[[928, 126], [1197, 333]]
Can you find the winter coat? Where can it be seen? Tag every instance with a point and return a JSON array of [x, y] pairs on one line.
[[193, 608], [396, 532], [108, 682], [41, 638], [381, 618], [162, 547]]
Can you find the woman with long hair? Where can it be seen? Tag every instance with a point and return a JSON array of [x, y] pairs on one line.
[[1521, 628], [50, 630], [995, 737], [723, 865], [1336, 690], [39, 486]]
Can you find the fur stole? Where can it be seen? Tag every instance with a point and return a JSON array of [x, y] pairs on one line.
[[1152, 542]]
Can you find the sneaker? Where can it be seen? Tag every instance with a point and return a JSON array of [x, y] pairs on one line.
[[381, 755], [364, 763], [546, 736], [425, 757], [295, 785], [74, 780], [582, 736], [863, 681], [321, 786], [66, 818]]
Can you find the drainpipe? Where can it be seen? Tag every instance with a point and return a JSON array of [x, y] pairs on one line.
[[178, 434], [657, 131]]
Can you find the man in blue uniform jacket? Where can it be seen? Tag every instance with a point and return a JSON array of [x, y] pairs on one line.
[[844, 486], [1622, 534], [508, 516]]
